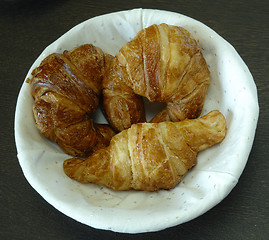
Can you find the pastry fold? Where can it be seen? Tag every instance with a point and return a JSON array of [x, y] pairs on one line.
[[66, 89], [163, 63], [149, 156]]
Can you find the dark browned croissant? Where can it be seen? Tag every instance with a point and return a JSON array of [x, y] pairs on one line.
[[162, 63], [149, 156], [66, 89]]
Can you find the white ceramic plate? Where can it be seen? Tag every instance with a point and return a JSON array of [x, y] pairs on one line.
[[232, 91]]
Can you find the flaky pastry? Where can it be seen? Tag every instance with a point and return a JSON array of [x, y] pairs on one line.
[[163, 63], [66, 89], [149, 156]]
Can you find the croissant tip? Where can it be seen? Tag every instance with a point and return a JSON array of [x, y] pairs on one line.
[[217, 119]]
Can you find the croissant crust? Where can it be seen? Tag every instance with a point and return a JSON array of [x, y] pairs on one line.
[[162, 63], [149, 156], [66, 89]]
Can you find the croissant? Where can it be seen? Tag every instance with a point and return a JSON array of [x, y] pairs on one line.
[[162, 63], [149, 156], [66, 89]]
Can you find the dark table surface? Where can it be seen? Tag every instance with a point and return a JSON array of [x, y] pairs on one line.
[[28, 26]]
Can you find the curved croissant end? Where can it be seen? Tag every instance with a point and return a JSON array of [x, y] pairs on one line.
[[149, 156], [162, 63], [66, 89]]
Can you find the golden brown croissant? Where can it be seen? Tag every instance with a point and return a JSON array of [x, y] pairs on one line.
[[66, 89], [162, 63], [149, 156]]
